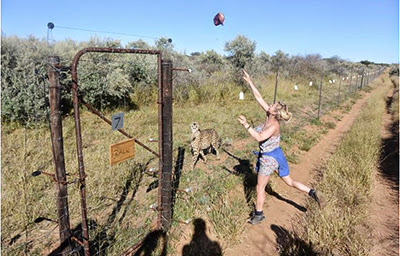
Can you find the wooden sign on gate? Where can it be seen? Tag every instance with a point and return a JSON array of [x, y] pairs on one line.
[[122, 151]]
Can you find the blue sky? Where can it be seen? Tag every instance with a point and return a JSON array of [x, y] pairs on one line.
[[354, 29]]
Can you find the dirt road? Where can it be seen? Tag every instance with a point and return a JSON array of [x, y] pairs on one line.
[[384, 219], [281, 209]]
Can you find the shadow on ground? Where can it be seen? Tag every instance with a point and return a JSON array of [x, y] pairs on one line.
[[201, 245], [290, 244], [389, 157], [245, 170]]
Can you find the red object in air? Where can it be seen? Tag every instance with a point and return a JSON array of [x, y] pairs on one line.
[[219, 19]]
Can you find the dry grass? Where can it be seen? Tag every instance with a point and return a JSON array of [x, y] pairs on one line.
[[339, 228], [118, 197]]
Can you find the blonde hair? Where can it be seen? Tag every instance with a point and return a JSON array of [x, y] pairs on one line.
[[283, 113]]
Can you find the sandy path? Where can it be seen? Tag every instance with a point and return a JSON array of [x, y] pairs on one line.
[[384, 219], [262, 239]]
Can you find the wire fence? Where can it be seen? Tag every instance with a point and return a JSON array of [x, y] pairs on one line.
[[122, 202]]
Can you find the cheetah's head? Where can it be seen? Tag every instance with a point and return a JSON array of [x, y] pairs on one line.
[[195, 127]]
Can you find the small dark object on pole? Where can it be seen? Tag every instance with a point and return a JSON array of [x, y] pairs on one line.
[[36, 173], [40, 219], [50, 25]]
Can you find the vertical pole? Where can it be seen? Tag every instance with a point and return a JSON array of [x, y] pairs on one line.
[[362, 80], [58, 154], [340, 84], [276, 84], [351, 77], [79, 150], [356, 85], [165, 179], [320, 96]]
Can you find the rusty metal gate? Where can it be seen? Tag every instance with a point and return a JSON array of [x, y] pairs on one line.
[[164, 153]]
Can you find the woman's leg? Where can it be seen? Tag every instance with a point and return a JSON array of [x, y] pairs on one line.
[[295, 184], [262, 181]]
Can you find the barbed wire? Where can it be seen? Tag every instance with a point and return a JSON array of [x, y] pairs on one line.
[[105, 32]]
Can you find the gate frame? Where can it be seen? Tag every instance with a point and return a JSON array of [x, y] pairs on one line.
[[164, 141]]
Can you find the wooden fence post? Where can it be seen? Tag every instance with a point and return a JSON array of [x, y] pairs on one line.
[[58, 154]]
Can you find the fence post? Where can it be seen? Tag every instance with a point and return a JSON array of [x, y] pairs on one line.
[[58, 154], [276, 83], [362, 80], [165, 164], [340, 84], [351, 77], [320, 96]]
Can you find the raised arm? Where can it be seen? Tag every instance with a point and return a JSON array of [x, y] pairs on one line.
[[256, 93], [258, 136]]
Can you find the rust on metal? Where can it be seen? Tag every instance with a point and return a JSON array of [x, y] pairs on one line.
[[182, 69], [104, 118], [165, 127], [58, 153], [134, 247], [78, 133]]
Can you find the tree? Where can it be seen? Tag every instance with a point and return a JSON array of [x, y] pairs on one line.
[[211, 61], [366, 62], [23, 82], [241, 51], [139, 44], [279, 60], [165, 45], [260, 65]]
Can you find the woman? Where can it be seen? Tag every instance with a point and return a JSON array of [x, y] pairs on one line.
[[270, 157]]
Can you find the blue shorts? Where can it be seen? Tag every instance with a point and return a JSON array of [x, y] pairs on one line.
[[277, 154]]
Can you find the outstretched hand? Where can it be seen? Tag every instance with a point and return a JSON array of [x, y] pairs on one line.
[[243, 120], [246, 77]]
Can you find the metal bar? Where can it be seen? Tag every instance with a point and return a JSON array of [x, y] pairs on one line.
[[276, 84], [78, 133], [362, 80], [351, 77], [320, 97], [160, 142], [182, 69], [356, 85], [101, 115], [166, 171], [81, 167], [133, 248], [58, 154], [340, 83]]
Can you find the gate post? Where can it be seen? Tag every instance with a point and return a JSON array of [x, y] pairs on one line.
[[58, 154], [165, 145]]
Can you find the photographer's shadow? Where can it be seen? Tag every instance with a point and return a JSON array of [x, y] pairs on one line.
[[201, 245]]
